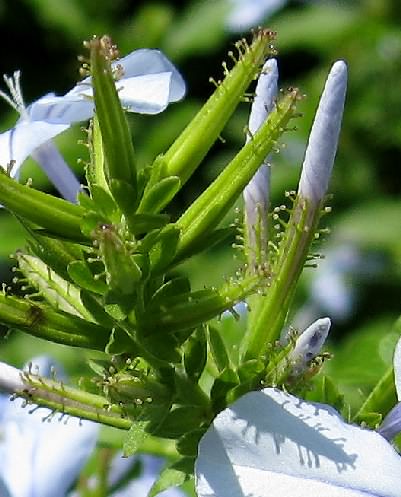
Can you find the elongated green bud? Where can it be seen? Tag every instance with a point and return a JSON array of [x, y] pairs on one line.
[[45, 323], [302, 225], [57, 216], [190, 148], [209, 209], [117, 144], [61, 398]]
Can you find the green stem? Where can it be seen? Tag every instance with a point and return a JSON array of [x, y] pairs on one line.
[[267, 320]]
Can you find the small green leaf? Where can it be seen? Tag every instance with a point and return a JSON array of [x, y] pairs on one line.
[[164, 248], [188, 392], [161, 346], [173, 476], [181, 420], [143, 223], [55, 253], [105, 204], [227, 380], [195, 354], [82, 276], [125, 196], [187, 445], [218, 349], [159, 195], [135, 438], [172, 288]]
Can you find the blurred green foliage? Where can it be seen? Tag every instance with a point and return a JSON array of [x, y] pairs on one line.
[[43, 39]]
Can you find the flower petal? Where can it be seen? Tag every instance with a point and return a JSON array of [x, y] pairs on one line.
[[57, 170], [68, 109], [149, 83], [147, 94], [19, 142], [270, 443], [146, 61], [246, 14]]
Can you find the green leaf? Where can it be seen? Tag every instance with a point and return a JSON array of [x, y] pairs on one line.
[[161, 346], [82, 276], [172, 288], [187, 445], [173, 476], [226, 381], [181, 420], [58, 292], [195, 355], [159, 195], [105, 203], [122, 272], [55, 253], [188, 392], [164, 248], [217, 349], [143, 223], [95, 306], [135, 438], [126, 196]]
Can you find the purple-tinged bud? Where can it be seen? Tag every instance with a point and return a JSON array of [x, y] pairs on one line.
[[391, 425], [323, 138], [309, 344]]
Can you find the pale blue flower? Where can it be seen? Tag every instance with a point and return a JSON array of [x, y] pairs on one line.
[[270, 443], [246, 14], [149, 82], [41, 454]]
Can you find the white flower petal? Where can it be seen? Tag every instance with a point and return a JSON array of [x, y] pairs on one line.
[[57, 170], [149, 83], [145, 61], [148, 94], [19, 142], [63, 110], [271, 444]]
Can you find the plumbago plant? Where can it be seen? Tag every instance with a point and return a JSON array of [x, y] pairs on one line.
[[103, 271]]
